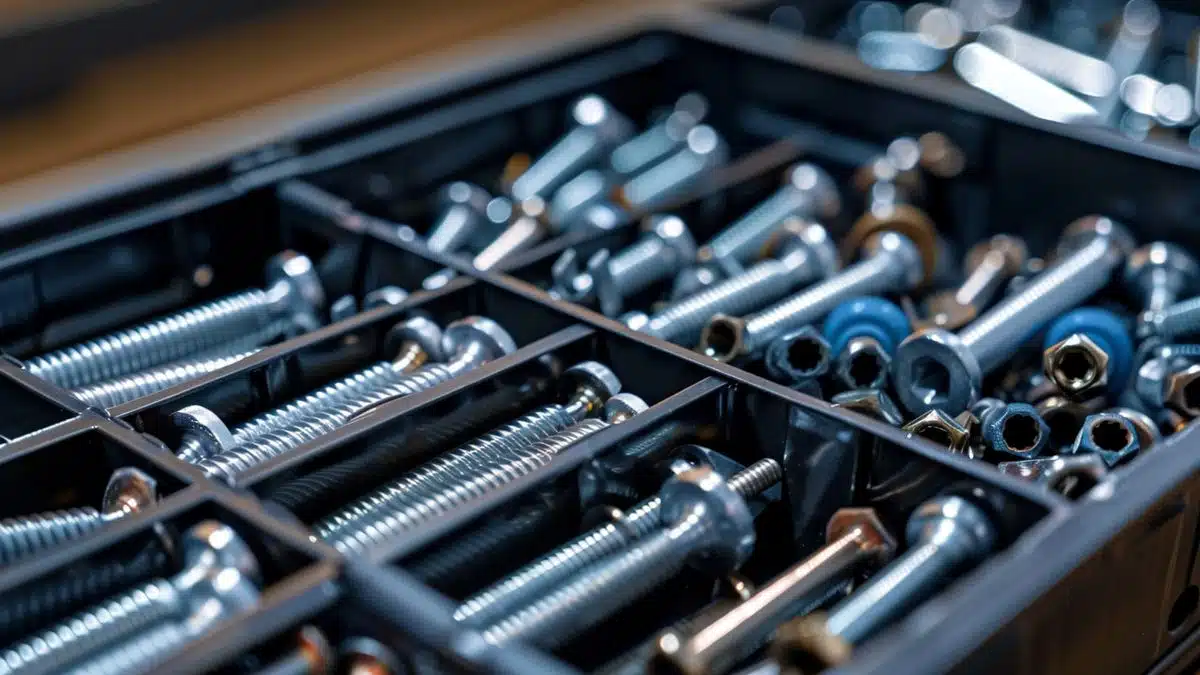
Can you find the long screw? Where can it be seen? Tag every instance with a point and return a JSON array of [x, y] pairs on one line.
[[524, 586], [124, 389], [705, 522], [935, 368], [206, 435], [990, 265], [482, 475], [856, 540], [1160, 273], [593, 384], [220, 578], [128, 491], [806, 255], [233, 323], [473, 340]]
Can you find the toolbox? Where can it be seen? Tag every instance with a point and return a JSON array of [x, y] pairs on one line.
[[1106, 584]]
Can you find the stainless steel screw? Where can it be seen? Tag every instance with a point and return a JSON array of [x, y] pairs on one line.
[[989, 265], [486, 474], [893, 264], [128, 491], [806, 255], [660, 140], [527, 228], [525, 585], [1159, 274], [462, 216], [220, 579], [124, 389], [233, 323], [474, 341], [592, 384], [935, 368], [705, 523]]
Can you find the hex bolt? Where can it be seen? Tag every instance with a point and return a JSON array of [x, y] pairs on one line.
[[1088, 349], [1015, 430], [419, 340], [1179, 320], [863, 334], [486, 474], [1072, 476], [1108, 435], [143, 625], [990, 265], [856, 539], [527, 584], [125, 389], [233, 323], [462, 218], [129, 490], [806, 254], [799, 356], [663, 250], [946, 536], [935, 368], [893, 263], [473, 341], [590, 385], [1159, 274], [705, 522]]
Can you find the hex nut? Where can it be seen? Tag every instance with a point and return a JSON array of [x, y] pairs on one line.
[[870, 402], [1183, 391], [1077, 365], [1108, 435], [940, 428], [798, 356], [863, 364], [1016, 430]]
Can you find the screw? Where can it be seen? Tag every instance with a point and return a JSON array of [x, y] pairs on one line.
[[464, 216], [233, 323], [990, 265], [474, 341], [1108, 435], [615, 479], [527, 584], [856, 540], [704, 521], [799, 356], [128, 491], [1087, 349], [660, 140], [205, 435], [935, 368], [219, 579], [485, 474], [124, 389], [592, 384], [863, 333], [1159, 274], [805, 255], [1180, 319]]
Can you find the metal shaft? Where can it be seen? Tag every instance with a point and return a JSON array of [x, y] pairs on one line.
[[525, 230], [124, 389]]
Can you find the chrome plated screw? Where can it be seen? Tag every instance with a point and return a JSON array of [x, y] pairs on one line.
[[990, 265], [526, 229], [660, 140], [220, 579], [1159, 274], [234, 323], [124, 389], [706, 523], [463, 216]]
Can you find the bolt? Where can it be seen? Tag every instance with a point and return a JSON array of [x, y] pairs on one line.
[[205, 435], [1014, 429], [863, 333], [484, 475], [893, 263], [935, 368], [798, 356], [1178, 320], [219, 579], [462, 217], [473, 341], [233, 323], [705, 522], [805, 255], [128, 491], [990, 265], [660, 140], [124, 389], [940, 428], [1108, 435], [1159, 274], [1072, 476], [1088, 349]]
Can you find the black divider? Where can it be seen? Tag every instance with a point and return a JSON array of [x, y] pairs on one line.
[[31, 404]]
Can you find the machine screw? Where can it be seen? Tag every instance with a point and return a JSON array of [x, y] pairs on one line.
[[704, 521], [143, 625], [935, 368], [1072, 476], [805, 255], [799, 356], [863, 333], [233, 323], [124, 389], [463, 218], [205, 435], [485, 474], [856, 540], [1159, 274], [1088, 349], [1108, 435], [128, 491], [473, 341], [990, 265], [1014, 429], [946, 535]]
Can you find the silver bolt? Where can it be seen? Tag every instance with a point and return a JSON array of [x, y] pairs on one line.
[[233, 323], [128, 491], [705, 523], [591, 385], [206, 435], [486, 474], [660, 140], [806, 254], [674, 176], [1159, 274], [124, 389], [892, 265], [527, 228], [990, 265], [524, 586], [935, 368], [463, 217], [219, 580], [473, 341]]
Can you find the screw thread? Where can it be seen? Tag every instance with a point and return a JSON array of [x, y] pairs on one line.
[[1181, 318], [681, 322], [137, 654], [124, 389], [746, 236], [641, 265], [22, 536]]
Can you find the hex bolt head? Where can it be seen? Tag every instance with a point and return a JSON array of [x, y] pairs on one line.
[[481, 330], [1077, 365], [934, 369], [1110, 436], [206, 427], [1016, 430], [798, 356], [870, 402], [592, 375], [419, 330], [1182, 391], [729, 536], [129, 490]]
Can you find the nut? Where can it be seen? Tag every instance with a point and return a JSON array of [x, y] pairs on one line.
[[1065, 418], [863, 364], [870, 402], [940, 428], [1077, 365], [1017, 430], [1072, 476], [798, 356], [1183, 391], [1108, 435]]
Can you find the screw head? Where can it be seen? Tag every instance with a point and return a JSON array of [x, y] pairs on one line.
[[1161, 259], [129, 490], [1018, 430], [605, 286], [384, 296], [623, 406], [729, 522], [595, 376], [821, 189], [635, 320], [934, 519], [694, 280], [1082, 231], [594, 112], [1012, 248], [933, 369], [205, 425], [217, 548], [417, 329], [462, 193], [811, 238], [723, 338], [876, 539], [797, 356], [480, 329], [308, 294], [678, 239]]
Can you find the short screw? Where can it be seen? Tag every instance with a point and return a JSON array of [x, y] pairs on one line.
[[463, 217], [863, 334], [705, 522], [233, 323], [935, 368], [1159, 274], [124, 389], [990, 265], [1087, 349], [128, 491], [219, 580]]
